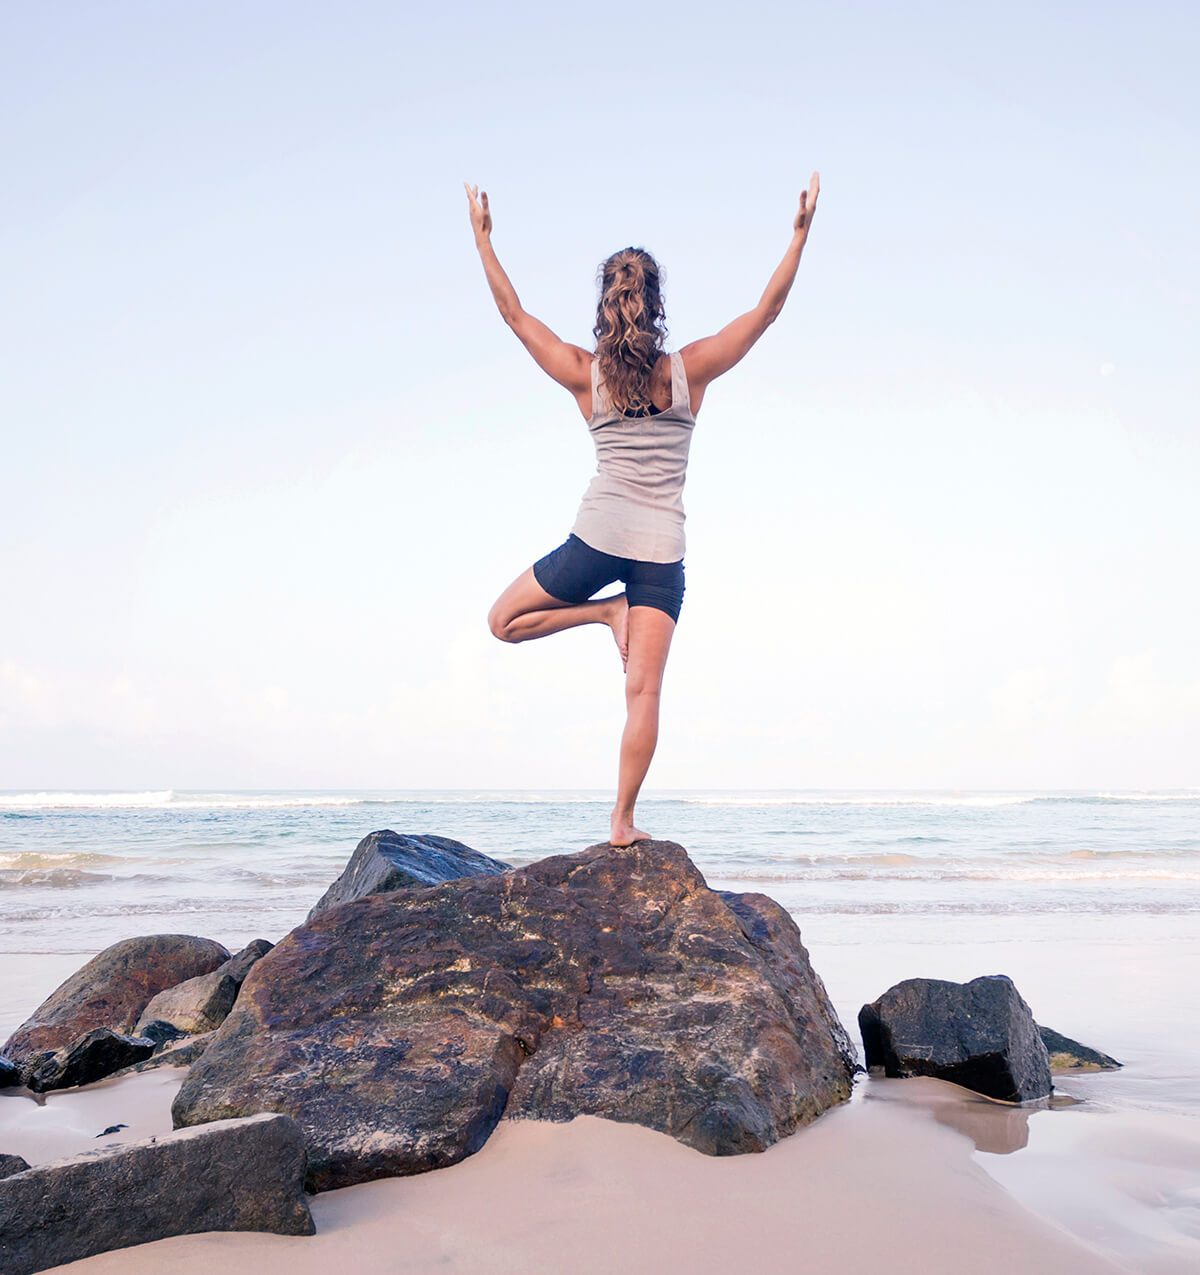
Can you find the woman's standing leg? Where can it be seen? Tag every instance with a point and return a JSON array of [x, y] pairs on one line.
[[650, 632]]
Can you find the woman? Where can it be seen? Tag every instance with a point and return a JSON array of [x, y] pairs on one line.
[[640, 405]]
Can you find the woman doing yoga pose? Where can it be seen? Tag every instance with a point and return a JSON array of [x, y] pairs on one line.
[[640, 405]]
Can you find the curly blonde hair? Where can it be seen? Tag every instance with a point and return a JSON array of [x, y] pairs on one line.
[[630, 328]]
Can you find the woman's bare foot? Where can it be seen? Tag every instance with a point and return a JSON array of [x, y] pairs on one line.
[[619, 623], [623, 832]]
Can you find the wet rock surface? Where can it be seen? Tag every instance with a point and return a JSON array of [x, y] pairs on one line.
[[111, 990], [385, 861], [398, 1028], [1069, 1055], [239, 1175], [979, 1034], [91, 1056]]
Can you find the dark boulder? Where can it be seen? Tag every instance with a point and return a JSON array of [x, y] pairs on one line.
[[397, 1028], [236, 1175], [10, 1164], [91, 1056], [111, 990], [1067, 1054], [980, 1035], [386, 861], [10, 1074]]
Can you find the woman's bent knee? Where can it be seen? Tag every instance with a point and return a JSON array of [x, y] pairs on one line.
[[498, 622]]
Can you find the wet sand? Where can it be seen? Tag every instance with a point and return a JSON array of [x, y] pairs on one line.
[[873, 1185]]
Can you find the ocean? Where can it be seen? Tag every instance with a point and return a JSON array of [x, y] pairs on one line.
[[1089, 901]]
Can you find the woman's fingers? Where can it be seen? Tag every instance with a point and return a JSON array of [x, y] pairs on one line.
[[481, 217], [808, 203]]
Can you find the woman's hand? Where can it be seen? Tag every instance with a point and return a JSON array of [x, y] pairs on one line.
[[808, 206], [481, 217]]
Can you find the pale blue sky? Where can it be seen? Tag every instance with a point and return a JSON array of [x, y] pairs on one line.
[[269, 453]]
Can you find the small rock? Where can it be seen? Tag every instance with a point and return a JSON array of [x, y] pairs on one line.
[[237, 967], [10, 1164], [90, 1057], [112, 1128], [385, 861], [1067, 1054], [181, 1055], [197, 1005], [230, 1175], [160, 1032], [111, 990], [980, 1035], [200, 1005]]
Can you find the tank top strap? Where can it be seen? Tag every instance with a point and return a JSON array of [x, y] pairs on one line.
[[597, 393], [679, 385]]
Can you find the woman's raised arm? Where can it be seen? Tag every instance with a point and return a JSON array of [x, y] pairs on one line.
[[569, 365], [710, 357]]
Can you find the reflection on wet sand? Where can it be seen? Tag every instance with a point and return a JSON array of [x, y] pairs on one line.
[[994, 1126]]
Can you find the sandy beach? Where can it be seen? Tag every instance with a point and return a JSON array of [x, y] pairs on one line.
[[885, 1182]]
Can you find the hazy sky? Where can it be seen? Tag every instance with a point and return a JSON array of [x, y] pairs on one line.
[[269, 452]]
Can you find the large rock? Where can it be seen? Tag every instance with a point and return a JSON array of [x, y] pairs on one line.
[[394, 1028], [91, 1056], [385, 861], [1069, 1055], [236, 1175], [980, 1035], [200, 1004], [111, 990], [10, 1164]]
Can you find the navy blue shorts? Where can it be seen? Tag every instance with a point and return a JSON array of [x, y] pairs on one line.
[[574, 571]]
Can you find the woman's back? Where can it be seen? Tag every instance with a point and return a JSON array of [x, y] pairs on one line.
[[633, 507]]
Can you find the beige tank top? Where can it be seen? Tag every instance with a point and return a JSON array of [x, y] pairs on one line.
[[634, 505]]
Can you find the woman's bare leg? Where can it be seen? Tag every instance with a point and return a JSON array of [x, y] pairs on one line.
[[525, 611], [650, 632]]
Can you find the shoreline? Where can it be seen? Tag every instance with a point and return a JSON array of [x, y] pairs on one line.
[[870, 1185]]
